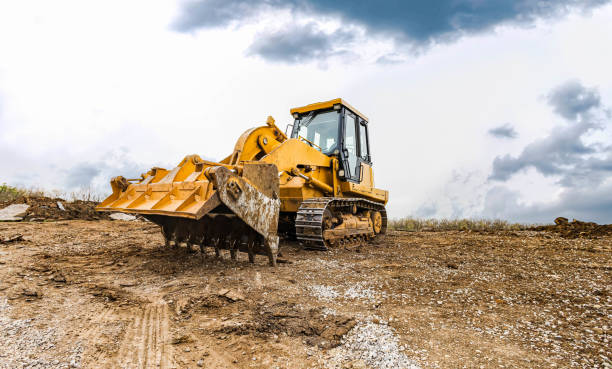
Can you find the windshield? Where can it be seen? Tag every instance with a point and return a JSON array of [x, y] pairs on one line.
[[320, 128]]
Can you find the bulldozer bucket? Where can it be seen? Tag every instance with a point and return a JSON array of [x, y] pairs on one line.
[[200, 203]]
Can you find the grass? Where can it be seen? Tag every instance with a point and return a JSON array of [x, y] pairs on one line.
[[87, 194], [414, 225], [11, 193]]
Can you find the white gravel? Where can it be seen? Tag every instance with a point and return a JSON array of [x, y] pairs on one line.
[[324, 293], [375, 345], [361, 292], [354, 291], [24, 346]]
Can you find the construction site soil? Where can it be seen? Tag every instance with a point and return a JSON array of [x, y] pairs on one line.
[[108, 294], [44, 209]]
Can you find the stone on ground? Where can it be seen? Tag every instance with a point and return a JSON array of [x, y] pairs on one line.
[[14, 212], [122, 216]]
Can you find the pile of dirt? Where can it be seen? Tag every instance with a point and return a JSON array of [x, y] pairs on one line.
[[577, 228], [317, 327], [45, 208]]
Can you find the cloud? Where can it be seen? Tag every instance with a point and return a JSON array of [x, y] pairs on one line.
[[503, 131], [571, 153], [217, 13], [427, 210], [82, 174], [550, 156], [390, 59], [587, 204], [571, 100], [564, 152], [415, 23], [300, 44], [97, 174]]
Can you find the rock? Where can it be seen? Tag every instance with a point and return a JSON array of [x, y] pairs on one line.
[[31, 292], [235, 295], [182, 339], [232, 295], [58, 277], [122, 216], [181, 305], [61, 206], [357, 364], [15, 238], [328, 334], [14, 212], [200, 363], [561, 221], [127, 283]]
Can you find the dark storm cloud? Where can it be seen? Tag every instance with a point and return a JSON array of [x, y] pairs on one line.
[[572, 100], [564, 152], [298, 44], [417, 23], [503, 131]]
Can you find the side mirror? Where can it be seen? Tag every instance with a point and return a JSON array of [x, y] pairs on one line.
[[287, 129]]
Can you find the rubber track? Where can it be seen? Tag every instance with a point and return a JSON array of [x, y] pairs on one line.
[[310, 216]]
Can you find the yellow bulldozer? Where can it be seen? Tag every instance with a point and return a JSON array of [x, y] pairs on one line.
[[316, 185]]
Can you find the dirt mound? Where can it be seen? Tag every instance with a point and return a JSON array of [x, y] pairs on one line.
[[577, 228], [317, 327], [45, 208]]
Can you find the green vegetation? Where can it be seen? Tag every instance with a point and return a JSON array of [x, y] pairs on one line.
[[414, 225], [11, 193]]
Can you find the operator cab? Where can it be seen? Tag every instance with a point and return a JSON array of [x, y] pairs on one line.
[[335, 128]]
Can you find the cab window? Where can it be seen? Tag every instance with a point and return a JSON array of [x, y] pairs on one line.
[[319, 129], [363, 142], [350, 145]]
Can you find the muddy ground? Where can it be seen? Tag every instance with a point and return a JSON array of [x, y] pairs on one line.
[[107, 294]]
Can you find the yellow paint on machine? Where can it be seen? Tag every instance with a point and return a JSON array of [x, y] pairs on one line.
[[190, 189]]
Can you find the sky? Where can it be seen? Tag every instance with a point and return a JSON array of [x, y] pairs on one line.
[[479, 109]]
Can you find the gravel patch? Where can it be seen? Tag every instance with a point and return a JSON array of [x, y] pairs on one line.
[[355, 291], [325, 293], [24, 346], [371, 344], [361, 292]]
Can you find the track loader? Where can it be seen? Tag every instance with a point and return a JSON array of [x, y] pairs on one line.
[[316, 185]]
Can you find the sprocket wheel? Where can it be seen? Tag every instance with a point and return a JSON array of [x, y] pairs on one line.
[[377, 221]]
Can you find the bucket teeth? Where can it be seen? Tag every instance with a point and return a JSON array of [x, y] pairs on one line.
[[233, 249], [219, 232], [216, 244]]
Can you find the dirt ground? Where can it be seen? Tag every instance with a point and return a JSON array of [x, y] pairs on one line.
[[107, 294]]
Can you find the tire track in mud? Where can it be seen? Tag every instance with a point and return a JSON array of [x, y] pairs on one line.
[[92, 336], [146, 341]]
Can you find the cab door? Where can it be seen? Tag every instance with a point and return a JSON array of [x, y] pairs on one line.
[[356, 148], [363, 153], [350, 150]]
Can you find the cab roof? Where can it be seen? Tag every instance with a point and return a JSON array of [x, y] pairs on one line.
[[326, 105]]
